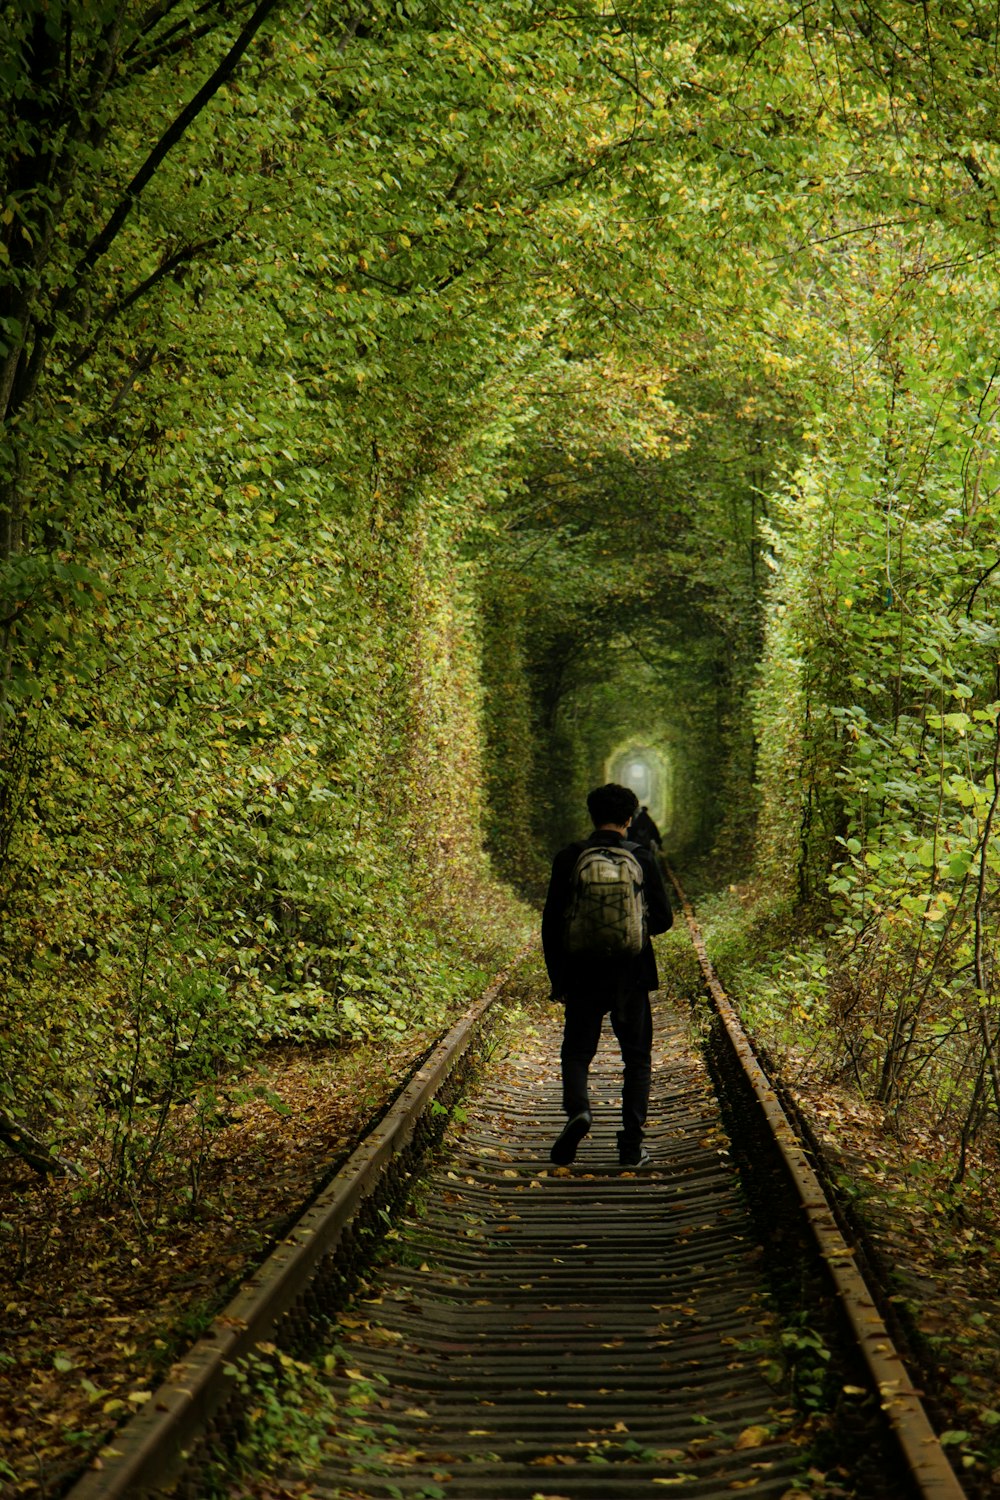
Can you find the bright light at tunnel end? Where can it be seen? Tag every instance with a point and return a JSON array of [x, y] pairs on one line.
[[644, 768]]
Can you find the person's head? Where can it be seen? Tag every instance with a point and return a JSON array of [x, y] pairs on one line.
[[612, 804]]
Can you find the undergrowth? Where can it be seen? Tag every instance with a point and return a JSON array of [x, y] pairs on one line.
[[925, 1202]]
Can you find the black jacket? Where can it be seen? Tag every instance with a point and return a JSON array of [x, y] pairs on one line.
[[644, 831], [573, 976]]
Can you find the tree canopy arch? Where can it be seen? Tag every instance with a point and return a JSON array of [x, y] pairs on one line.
[[368, 379]]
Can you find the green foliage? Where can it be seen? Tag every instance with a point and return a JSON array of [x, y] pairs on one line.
[[631, 558], [880, 688], [287, 1411], [242, 726], [405, 416], [677, 962]]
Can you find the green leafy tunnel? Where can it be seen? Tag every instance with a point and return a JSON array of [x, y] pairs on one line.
[[416, 413]]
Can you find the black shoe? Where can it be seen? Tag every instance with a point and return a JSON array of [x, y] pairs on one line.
[[564, 1146], [633, 1156]]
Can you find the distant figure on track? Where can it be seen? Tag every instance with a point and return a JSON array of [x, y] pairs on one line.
[[606, 899], [644, 831]]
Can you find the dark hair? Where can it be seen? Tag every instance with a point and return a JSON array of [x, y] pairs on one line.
[[612, 804]]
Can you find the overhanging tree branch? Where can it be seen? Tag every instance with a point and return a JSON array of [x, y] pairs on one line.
[[102, 242], [21, 376], [167, 266], [33, 1149]]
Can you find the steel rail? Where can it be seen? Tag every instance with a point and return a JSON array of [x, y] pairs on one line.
[[141, 1458], [918, 1442]]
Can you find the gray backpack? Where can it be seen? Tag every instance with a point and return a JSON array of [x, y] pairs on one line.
[[606, 917]]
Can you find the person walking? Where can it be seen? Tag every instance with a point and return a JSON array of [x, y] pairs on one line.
[[606, 899], [644, 831]]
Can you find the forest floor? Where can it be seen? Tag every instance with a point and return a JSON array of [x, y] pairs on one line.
[[98, 1299]]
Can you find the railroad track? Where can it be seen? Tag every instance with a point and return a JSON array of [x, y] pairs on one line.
[[582, 1332], [574, 1332]]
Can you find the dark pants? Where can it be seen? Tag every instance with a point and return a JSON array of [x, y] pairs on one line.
[[632, 1022]]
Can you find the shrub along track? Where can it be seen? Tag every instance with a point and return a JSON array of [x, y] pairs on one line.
[[542, 1332]]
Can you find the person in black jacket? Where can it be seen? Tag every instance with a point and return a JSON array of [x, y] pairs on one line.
[[591, 987], [644, 831]]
